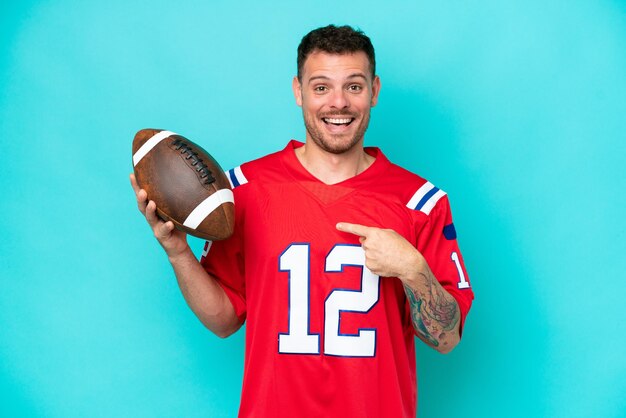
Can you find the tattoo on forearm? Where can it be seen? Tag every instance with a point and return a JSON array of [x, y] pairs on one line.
[[433, 312]]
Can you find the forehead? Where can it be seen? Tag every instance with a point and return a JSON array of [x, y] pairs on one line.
[[320, 63]]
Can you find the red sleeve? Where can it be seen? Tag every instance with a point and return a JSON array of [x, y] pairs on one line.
[[438, 244], [224, 260]]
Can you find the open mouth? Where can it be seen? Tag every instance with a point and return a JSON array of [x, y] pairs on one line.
[[338, 121]]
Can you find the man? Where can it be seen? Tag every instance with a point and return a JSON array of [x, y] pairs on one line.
[[338, 258]]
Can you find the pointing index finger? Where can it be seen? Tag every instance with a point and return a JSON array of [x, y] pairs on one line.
[[356, 229]]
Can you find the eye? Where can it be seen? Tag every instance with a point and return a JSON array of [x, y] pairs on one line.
[[320, 89], [355, 88]]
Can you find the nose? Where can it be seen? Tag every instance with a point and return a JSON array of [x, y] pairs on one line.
[[339, 99]]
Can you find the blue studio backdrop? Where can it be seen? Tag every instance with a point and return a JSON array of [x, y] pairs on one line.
[[515, 108]]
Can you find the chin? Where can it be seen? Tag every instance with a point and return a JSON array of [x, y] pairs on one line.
[[337, 147], [332, 142]]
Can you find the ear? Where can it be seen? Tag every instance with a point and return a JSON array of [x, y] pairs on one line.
[[297, 90], [375, 90]]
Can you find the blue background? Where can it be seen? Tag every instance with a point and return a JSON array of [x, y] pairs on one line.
[[516, 108]]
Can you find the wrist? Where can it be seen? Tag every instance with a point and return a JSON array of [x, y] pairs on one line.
[[177, 257], [415, 271]]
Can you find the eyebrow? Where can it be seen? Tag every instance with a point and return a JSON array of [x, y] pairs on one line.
[[323, 77]]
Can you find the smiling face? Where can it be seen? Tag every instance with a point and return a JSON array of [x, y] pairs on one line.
[[336, 94]]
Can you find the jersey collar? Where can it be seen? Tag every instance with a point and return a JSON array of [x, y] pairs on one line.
[[297, 170]]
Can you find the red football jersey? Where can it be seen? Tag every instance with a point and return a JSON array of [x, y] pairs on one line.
[[325, 337]]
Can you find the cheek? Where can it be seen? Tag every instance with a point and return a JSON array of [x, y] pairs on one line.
[[311, 107], [364, 103], [313, 102]]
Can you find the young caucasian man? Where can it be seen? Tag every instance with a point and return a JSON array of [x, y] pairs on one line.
[[339, 257]]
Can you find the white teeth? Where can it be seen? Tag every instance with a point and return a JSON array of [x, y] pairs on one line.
[[337, 121]]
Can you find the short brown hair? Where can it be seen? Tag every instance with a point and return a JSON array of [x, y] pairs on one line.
[[335, 40]]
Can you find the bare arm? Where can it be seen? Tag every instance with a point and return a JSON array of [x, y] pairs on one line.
[[203, 294], [434, 312]]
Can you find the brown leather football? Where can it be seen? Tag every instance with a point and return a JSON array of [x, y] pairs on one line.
[[188, 186]]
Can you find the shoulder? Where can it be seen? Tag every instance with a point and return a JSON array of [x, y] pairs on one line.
[[251, 171], [414, 191]]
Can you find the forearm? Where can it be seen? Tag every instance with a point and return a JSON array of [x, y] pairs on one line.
[[204, 295], [434, 312]]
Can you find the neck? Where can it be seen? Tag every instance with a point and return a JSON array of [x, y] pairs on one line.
[[332, 168]]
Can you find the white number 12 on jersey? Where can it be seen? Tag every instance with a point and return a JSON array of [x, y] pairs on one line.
[[299, 339]]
